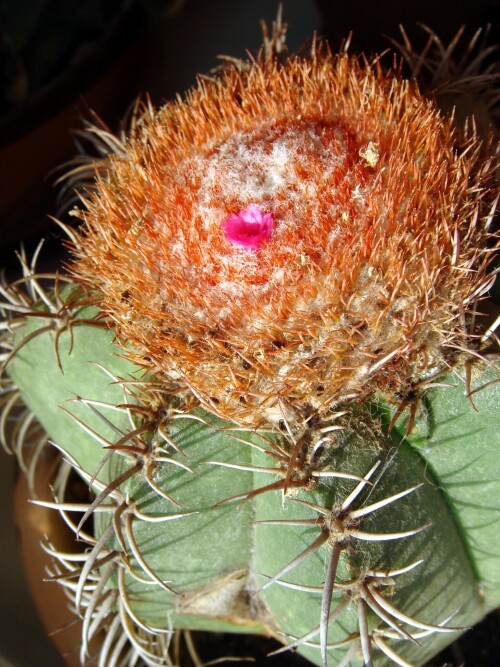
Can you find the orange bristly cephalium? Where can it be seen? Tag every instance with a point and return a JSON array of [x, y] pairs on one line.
[[290, 236]]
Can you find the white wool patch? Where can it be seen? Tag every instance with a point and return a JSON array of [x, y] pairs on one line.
[[259, 168], [266, 168]]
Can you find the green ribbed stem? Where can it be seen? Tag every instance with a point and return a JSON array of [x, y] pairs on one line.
[[218, 559]]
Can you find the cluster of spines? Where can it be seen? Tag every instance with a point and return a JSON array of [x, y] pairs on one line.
[[339, 531], [86, 575], [439, 72]]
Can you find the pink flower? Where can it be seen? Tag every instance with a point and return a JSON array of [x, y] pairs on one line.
[[250, 228]]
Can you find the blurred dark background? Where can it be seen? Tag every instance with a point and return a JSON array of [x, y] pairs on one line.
[[62, 59]]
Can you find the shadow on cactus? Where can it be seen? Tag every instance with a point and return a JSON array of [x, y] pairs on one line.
[[269, 361]]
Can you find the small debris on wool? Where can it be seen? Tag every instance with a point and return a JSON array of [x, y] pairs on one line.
[[371, 154]]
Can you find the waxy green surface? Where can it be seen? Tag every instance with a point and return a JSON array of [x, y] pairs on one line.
[[217, 558]]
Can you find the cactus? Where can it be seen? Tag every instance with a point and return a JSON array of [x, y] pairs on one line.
[[267, 363]]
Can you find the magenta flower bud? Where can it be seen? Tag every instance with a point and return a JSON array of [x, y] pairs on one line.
[[250, 228]]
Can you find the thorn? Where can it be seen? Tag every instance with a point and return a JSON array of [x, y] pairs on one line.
[[390, 653], [340, 475], [355, 493], [394, 573], [140, 559], [390, 609], [364, 635], [382, 537], [284, 522], [314, 546], [327, 600], [384, 615], [367, 509], [236, 466]]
